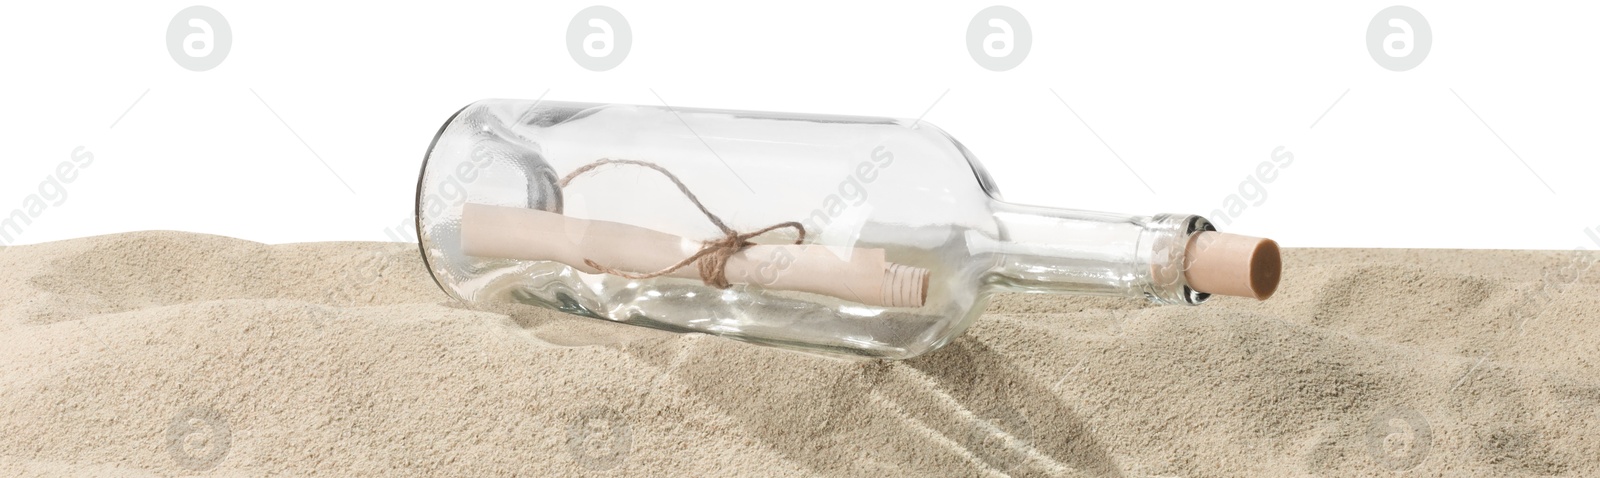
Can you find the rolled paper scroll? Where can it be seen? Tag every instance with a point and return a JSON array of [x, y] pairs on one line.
[[866, 276]]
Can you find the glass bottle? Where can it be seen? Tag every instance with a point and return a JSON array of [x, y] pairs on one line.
[[860, 236]]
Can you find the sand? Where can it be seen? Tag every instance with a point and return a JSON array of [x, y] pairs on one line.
[[163, 353]]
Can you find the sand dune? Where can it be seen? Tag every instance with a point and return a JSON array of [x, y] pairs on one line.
[[162, 353]]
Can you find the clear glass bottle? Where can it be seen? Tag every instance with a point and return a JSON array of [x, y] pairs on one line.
[[904, 235]]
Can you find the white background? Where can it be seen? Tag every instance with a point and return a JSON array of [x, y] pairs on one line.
[[1190, 95]]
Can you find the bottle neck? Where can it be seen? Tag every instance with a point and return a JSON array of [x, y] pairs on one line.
[[1042, 249]]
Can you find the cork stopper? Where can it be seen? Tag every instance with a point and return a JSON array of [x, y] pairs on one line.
[[1231, 264]]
